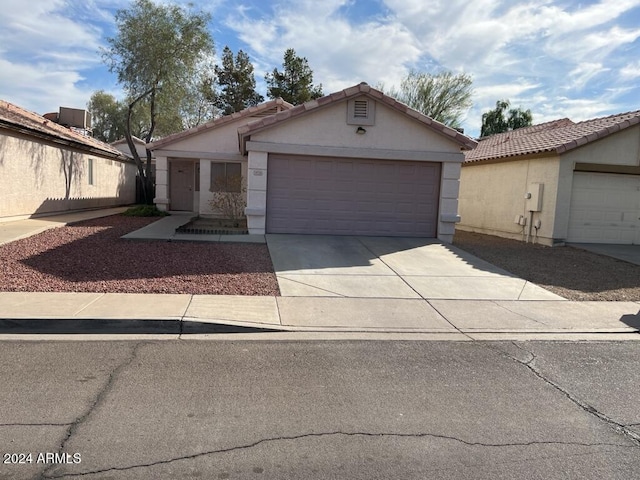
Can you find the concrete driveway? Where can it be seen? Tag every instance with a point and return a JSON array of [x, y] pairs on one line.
[[628, 253], [386, 267]]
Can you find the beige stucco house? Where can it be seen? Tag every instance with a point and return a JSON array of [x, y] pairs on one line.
[[46, 168], [557, 182], [353, 162]]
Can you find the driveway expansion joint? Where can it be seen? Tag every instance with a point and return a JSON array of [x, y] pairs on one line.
[[530, 364]]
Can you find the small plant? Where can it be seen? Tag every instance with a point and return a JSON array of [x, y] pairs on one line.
[[144, 211], [229, 197]]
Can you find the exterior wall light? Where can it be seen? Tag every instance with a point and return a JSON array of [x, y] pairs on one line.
[[360, 131]]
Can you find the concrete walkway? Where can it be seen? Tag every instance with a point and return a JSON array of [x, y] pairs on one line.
[[74, 313], [18, 229], [165, 229]]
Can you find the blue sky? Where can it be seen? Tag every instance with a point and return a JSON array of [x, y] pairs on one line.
[[559, 58]]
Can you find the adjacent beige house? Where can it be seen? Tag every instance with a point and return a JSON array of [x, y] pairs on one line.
[[557, 182], [355, 162], [47, 168]]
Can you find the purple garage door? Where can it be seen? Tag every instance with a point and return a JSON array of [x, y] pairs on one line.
[[343, 196]]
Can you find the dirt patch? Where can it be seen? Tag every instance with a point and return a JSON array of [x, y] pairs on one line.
[[90, 256], [573, 273]]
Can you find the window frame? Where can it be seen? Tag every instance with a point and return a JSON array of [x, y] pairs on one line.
[[212, 179]]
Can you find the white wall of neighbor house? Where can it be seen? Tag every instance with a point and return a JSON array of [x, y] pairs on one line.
[[39, 178], [493, 194]]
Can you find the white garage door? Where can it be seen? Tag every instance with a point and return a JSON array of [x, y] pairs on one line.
[[605, 208], [342, 196]]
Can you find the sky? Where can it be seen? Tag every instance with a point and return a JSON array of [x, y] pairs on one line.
[[558, 58]]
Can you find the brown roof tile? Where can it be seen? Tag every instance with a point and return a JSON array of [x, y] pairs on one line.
[[556, 137], [19, 119], [361, 89]]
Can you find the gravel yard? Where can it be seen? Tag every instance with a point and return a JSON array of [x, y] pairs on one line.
[[567, 271], [90, 256]]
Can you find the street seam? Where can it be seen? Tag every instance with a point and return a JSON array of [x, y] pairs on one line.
[[348, 434], [99, 398], [618, 427]]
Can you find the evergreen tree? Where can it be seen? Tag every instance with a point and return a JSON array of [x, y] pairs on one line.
[[237, 83], [295, 83]]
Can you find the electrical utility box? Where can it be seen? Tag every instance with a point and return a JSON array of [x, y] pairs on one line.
[[534, 197]]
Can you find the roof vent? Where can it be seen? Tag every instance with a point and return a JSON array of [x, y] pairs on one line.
[[361, 111]]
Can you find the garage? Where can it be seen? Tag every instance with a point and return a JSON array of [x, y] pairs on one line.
[[347, 196], [605, 208]]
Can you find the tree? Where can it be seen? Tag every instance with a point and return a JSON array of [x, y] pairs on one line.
[[445, 97], [295, 83], [108, 117], [237, 83], [156, 54], [494, 121]]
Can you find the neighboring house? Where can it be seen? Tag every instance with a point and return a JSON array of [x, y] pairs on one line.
[[355, 162], [563, 182], [47, 168], [141, 148]]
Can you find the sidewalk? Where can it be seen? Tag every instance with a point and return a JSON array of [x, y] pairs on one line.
[[185, 315], [79, 315]]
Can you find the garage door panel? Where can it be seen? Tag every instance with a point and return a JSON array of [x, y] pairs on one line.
[[604, 209], [352, 197]]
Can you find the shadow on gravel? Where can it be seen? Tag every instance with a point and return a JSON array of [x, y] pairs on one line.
[[115, 327], [578, 274], [90, 256]]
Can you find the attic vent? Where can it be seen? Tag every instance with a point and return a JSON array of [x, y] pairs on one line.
[[361, 111]]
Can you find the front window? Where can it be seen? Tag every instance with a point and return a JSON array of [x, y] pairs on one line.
[[226, 177]]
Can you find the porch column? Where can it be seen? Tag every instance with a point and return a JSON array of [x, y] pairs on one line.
[[256, 209], [162, 184], [449, 189]]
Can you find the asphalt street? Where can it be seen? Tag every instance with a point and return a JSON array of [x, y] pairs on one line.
[[319, 410]]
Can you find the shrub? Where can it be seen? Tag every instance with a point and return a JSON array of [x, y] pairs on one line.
[[144, 211], [229, 197]]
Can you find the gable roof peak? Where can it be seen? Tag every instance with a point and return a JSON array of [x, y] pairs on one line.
[[344, 95]]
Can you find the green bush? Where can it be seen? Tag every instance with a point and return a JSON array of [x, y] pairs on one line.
[[144, 211]]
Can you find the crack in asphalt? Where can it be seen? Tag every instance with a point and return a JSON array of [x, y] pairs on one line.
[[340, 433], [98, 400], [530, 364]]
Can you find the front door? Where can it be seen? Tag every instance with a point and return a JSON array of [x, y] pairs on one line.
[[182, 181]]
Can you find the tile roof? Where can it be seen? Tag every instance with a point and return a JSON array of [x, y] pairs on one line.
[[554, 137], [18, 119], [266, 108], [357, 90]]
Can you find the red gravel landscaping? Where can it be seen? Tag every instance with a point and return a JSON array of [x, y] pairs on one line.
[[90, 256]]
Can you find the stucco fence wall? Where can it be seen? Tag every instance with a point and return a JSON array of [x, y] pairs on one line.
[[40, 178]]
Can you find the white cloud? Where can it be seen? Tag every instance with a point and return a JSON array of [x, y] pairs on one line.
[[630, 71], [340, 52]]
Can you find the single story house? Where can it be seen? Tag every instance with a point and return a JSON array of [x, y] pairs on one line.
[[47, 168], [556, 182], [355, 162]]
